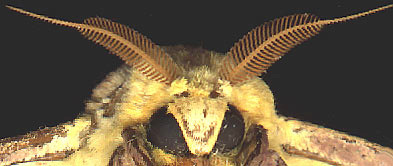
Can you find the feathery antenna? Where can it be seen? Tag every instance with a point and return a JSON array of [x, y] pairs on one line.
[[132, 47], [261, 47]]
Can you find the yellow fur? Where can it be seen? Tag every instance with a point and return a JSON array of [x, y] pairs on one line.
[[256, 102], [142, 99]]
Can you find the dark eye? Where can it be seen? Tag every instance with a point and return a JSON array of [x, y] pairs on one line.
[[232, 131], [164, 132]]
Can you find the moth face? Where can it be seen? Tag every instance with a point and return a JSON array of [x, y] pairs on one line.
[[199, 111], [200, 120]]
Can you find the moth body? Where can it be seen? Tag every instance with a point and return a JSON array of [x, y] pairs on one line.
[[180, 105]]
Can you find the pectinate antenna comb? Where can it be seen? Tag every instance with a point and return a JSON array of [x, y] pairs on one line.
[[132, 47], [261, 47]]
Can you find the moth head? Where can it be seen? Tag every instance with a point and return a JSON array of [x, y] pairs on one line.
[[199, 109], [196, 102], [206, 114], [193, 102]]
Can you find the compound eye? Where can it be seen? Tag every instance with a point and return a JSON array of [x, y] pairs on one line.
[[231, 132], [164, 132]]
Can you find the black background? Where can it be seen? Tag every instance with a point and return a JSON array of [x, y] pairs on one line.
[[339, 79]]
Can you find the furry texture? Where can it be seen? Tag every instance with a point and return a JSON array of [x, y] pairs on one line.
[[198, 98]]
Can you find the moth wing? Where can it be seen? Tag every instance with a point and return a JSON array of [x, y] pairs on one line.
[[44, 145], [301, 143]]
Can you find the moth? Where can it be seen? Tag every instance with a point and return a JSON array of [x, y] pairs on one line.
[[189, 106]]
